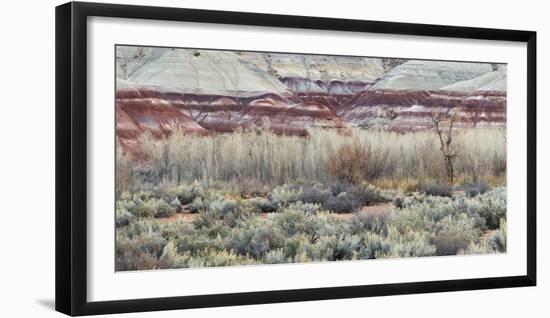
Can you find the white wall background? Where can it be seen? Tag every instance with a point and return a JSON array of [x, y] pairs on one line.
[[27, 158]]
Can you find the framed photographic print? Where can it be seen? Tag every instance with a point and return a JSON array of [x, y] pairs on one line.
[[208, 158]]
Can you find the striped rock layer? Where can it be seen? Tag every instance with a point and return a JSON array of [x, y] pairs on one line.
[[477, 95], [162, 91]]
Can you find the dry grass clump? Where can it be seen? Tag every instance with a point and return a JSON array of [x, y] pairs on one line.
[[405, 185], [356, 162]]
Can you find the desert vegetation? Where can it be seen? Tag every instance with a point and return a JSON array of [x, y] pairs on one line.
[[259, 157], [256, 197]]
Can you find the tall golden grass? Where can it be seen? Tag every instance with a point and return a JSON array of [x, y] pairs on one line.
[[265, 157]]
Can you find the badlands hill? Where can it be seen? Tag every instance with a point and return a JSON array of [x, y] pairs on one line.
[[212, 90], [413, 89], [162, 90]]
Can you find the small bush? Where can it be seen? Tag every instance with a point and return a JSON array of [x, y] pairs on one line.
[[224, 207], [473, 189], [140, 251], [292, 245], [305, 208], [169, 254], [129, 260], [316, 194], [476, 248], [366, 222], [285, 195], [342, 203], [122, 217], [219, 208], [374, 246], [356, 162], [338, 187], [146, 209], [291, 221], [275, 257], [396, 243], [210, 258], [264, 205], [197, 205], [194, 242], [438, 189], [163, 209], [410, 248], [497, 242], [255, 240], [247, 187], [366, 194], [455, 234], [187, 193], [142, 195], [176, 205], [489, 208], [336, 248], [399, 202]]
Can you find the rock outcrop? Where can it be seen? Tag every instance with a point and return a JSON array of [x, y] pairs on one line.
[[485, 105], [329, 80], [196, 90], [140, 110], [408, 95], [162, 90]]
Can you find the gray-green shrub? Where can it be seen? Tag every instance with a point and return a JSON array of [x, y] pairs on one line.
[[497, 242], [472, 189], [264, 205], [123, 217], [228, 230], [316, 194], [368, 222], [398, 202], [342, 203], [285, 194], [366, 194], [438, 189], [255, 239], [163, 209], [454, 234]]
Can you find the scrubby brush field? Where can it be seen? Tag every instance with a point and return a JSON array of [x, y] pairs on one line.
[[255, 197]]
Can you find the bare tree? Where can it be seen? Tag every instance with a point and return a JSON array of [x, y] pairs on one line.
[[474, 114], [448, 151]]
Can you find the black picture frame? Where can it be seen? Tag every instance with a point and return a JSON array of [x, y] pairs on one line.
[[71, 157]]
